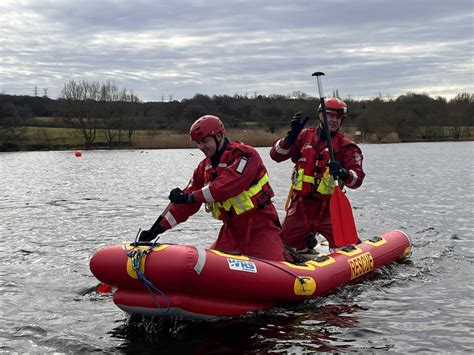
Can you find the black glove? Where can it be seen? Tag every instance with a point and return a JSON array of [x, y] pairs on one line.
[[336, 170], [296, 127], [178, 196], [148, 235]]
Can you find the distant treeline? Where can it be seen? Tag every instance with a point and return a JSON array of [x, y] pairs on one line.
[[89, 107]]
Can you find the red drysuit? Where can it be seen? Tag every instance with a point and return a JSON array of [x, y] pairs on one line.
[[236, 190], [308, 210]]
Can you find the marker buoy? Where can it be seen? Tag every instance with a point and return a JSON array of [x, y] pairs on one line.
[[78, 153]]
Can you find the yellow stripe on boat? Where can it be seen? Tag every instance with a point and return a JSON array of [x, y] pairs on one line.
[[239, 257], [378, 243], [352, 252], [323, 261]]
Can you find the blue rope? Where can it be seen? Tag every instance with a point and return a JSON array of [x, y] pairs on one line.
[[136, 256], [154, 244]]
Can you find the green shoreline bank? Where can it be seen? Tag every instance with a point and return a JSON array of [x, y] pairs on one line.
[[50, 138]]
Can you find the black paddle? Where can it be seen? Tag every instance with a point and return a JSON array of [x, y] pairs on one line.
[[342, 220]]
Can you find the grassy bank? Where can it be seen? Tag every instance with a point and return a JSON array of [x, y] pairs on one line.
[[53, 138], [47, 138]]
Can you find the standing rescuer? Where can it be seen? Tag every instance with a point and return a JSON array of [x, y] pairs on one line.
[[233, 184], [312, 185]]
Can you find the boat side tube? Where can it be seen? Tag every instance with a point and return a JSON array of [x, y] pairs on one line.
[[201, 283]]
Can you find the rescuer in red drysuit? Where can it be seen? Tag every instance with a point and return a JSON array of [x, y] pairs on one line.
[[308, 200], [233, 184]]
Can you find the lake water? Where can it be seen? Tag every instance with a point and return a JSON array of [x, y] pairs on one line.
[[56, 210]]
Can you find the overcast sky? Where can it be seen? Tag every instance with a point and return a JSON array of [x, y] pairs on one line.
[[217, 47]]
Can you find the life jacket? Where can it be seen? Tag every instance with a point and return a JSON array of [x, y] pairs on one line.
[[256, 196], [311, 173]]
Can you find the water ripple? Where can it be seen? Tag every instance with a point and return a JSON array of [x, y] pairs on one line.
[[57, 210]]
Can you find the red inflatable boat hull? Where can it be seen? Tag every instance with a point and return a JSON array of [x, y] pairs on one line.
[[200, 283]]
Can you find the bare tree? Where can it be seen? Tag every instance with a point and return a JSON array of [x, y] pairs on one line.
[[461, 115], [89, 106], [117, 113], [131, 113], [109, 94], [79, 104]]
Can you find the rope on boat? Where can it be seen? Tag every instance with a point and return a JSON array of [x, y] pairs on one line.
[[136, 256], [301, 279]]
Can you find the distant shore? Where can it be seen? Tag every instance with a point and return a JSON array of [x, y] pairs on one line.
[[167, 140], [44, 138]]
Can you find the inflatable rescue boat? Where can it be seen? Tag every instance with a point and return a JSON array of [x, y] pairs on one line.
[[188, 281]]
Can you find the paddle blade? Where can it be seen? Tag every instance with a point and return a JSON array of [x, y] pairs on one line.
[[343, 226]]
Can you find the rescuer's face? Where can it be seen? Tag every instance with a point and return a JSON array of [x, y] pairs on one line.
[[334, 121], [208, 146]]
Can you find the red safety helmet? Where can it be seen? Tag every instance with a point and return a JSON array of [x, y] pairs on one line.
[[335, 106], [204, 126]]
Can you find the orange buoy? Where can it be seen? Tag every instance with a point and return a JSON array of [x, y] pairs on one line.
[[78, 153]]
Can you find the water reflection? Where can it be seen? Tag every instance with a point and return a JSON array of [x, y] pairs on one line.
[[319, 328]]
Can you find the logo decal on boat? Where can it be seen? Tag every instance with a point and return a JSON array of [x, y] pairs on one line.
[[241, 265], [361, 265]]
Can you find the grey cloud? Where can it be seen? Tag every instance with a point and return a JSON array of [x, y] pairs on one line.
[[215, 47]]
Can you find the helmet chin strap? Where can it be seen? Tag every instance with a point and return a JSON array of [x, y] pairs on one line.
[[217, 145], [217, 154]]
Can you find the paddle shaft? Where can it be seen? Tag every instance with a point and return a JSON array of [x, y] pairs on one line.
[[325, 116], [160, 218]]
